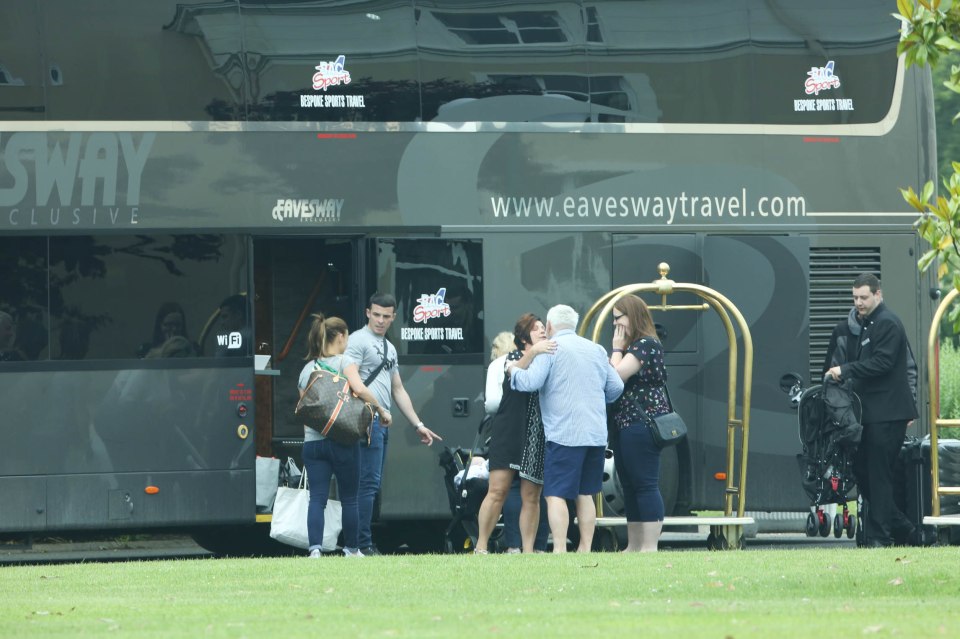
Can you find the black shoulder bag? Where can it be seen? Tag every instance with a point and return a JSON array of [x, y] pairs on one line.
[[667, 429]]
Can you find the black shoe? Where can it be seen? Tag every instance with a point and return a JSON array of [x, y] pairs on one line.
[[923, 536], [370, 551]]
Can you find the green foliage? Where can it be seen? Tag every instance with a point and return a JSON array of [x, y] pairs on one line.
[[949, 386], [772, 593], [930, 34]]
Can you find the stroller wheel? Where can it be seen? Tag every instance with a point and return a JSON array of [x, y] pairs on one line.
[[825, 527], [812, 524], [838, 525], [851, 526]]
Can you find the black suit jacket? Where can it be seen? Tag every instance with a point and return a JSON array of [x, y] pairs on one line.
[[879, 371]]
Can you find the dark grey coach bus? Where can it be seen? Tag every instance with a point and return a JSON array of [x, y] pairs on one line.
[[216, 171]]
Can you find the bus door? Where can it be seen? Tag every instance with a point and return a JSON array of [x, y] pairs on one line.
[[767, 277], [295, 278]]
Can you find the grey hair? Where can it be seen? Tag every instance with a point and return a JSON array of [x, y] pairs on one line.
[[562, 316]]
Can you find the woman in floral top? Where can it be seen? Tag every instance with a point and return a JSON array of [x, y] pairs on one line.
[[638, 358]]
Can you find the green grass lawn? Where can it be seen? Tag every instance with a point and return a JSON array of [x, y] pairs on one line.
[[795, 593]]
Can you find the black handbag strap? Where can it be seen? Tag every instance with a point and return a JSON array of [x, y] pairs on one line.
[[379, 368], [666, 391]]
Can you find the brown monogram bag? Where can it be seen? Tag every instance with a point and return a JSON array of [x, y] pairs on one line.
[[330, 407]]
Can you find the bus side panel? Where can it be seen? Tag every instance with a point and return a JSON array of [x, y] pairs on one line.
[[767, 279], [99, 439], [23, 504], [413, 482]]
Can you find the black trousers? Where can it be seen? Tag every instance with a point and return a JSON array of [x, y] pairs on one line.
[[874, 465]]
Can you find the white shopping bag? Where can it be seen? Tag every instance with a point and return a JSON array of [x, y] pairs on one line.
[[268, 478], [289, 524]]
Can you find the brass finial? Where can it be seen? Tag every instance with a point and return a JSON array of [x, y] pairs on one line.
[[664, 269]]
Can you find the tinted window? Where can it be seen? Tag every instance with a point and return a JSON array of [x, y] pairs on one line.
[[23, 299], [116, 297], [512, 62], [21, 67], [323, 61], [439, 289], [107, 60], [727, 62]]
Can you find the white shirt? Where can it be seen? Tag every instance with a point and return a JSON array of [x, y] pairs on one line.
[[494, 389]]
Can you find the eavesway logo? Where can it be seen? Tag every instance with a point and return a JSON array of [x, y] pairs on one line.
[[72, 179], [308, 210], [820, 79]]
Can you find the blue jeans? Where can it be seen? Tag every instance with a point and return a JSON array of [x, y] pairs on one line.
[[637, 460], [321, 459], [511, 519], [371, 471]]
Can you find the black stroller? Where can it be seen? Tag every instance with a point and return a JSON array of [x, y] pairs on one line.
[[828, 417], [466, 494]]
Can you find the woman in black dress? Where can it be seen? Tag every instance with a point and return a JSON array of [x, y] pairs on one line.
[[638, 357], [516, 442]]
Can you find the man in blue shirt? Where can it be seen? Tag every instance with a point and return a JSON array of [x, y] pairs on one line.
[[575, 383]]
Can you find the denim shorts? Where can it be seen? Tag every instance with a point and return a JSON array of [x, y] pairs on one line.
[[569, 471]]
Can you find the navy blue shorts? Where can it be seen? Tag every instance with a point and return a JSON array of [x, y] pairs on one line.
[[569, 471]]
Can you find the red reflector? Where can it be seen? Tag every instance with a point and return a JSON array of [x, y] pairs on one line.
[[336, 136], [720, 476], [821, 139], [151, 490]]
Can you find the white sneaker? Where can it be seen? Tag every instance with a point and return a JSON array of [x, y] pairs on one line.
[[352, 552], [315, 553]]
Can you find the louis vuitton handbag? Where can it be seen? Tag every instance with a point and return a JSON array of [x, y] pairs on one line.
[[668, 429], [330, 407]]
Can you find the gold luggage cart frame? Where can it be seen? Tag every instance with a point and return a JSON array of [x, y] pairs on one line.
[[936, 491], [726, 532]]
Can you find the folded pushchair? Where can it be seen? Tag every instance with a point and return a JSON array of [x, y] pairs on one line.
[[465, 492], [829, 427]]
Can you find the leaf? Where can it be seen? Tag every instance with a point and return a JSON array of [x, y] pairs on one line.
[[927, 192], [896, 582], [926, 259], [946, 42], [905, 7]]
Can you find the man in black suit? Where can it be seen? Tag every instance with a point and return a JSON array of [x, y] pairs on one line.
[[879, 373]]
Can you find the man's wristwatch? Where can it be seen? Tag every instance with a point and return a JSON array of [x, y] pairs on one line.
[[419, 425]]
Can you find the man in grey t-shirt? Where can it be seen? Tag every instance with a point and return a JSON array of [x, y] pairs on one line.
[[367, 351]]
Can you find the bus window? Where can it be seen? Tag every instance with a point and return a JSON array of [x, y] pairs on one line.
[[23, 299], [131, 296], [439, 289], [310, 63]]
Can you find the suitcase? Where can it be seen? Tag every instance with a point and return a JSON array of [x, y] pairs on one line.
[[918, 485]]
